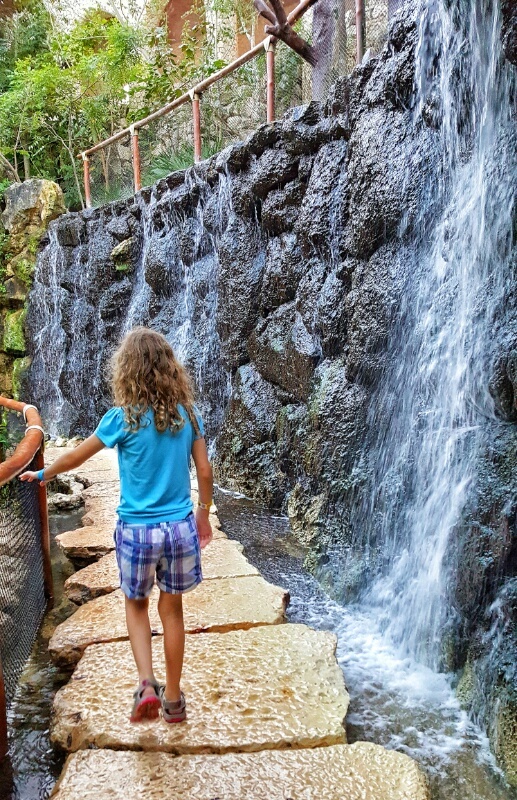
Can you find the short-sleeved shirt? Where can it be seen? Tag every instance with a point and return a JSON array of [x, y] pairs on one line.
[[154, 467]]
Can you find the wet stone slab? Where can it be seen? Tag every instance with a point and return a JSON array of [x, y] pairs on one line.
[[86, 545], [221, 559], [218, 605], [271, 687], [361, 771]]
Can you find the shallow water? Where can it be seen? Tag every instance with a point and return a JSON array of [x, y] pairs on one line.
[[394, 701]]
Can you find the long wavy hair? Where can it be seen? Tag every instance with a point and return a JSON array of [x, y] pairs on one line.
[[146, 374]]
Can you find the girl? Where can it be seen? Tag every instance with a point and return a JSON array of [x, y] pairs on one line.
[[156, 428]]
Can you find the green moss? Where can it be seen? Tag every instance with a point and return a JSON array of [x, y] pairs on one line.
[[20, 367], [466, 687], [14, 338], [123, 267], [24, 270]]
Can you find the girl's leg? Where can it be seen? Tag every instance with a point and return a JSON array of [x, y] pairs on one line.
[[170, 609], [139, 630]]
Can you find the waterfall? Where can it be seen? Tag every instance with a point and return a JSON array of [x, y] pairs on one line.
[[433, 414], [81, 305]]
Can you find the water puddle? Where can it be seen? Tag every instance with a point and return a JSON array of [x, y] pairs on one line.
[[394, 701]]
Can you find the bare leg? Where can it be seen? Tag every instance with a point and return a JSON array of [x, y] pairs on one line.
[[170, 609], [139, 630]]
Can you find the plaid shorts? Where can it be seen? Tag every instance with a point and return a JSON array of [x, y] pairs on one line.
[[168, 550]]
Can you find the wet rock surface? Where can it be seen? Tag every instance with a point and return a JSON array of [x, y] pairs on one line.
[[231, 706], [337, 772], [219, 605]]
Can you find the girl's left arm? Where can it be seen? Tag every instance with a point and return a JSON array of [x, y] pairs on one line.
[[68, 461]]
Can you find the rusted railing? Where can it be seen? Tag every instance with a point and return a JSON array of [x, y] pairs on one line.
[[194, 97], [29, 449]]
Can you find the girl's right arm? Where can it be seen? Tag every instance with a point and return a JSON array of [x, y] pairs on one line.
[[205, 485], [67, 461]]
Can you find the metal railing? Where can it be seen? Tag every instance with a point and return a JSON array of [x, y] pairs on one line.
[[28, 452], [194, 97]]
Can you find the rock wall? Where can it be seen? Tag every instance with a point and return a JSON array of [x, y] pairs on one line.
[[279, 270], [29, 207]]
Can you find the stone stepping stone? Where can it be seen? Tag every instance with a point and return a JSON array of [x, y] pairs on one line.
[[90, 543], [99, 511], [276, 686], [222, 558], [217, 605], [361, 771], [86, 545], [108, 489]]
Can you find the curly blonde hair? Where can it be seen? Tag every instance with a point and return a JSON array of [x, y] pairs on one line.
[[146, 374]]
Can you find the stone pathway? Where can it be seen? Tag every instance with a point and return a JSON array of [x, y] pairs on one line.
[[266, 700]]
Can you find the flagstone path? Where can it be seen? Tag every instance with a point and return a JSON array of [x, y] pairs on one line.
[[266, 700]]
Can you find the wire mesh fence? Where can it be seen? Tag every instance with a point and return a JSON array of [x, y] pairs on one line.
[[22, 597], [111, 172], [236, 104]]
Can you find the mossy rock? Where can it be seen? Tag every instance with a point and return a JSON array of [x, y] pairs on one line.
[[466, 686], [19, 373], [14, 338]]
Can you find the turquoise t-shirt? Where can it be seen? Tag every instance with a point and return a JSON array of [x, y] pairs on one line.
[[154, 467]]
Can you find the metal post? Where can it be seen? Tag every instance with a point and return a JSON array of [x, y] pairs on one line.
[[135, 152], [86, 173], [4, 745], [196, 113], [270, 68], [45, 532], [359, 29]]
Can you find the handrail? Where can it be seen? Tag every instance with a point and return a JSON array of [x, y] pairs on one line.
[[201, 87], [193, 95], [30, 444]]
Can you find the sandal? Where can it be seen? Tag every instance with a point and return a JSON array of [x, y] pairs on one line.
[[173, 711], [148, 707]]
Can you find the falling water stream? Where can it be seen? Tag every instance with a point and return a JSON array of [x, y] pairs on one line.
[[433, 411]]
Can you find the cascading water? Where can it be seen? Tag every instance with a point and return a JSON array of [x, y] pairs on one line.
[[433, 413], [73, 334]]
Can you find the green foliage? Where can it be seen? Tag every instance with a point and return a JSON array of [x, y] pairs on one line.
[[63, 89], [182, 158]]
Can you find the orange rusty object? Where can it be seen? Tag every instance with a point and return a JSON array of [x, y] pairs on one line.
[[270, 68], [86, 179], [31, 447], [135, 152], [201, 87], [28, 447], [196, 116], [48, 580], [359, 29]]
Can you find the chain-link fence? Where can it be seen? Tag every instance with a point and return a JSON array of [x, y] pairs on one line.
[[111, 172], [22, 596], [235, 105]]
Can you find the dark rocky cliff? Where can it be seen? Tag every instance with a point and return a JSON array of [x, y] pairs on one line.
[[280, 270]]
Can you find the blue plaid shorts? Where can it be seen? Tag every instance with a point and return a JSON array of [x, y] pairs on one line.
[[168, 550]]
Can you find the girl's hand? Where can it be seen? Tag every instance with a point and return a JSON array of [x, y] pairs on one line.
[[30, 477], [204, 528]]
